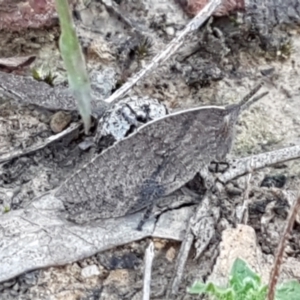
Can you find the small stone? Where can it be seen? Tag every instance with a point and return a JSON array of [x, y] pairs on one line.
[[13, 293], [239, 242], [170, 31], [233, 191], [119, 277], [16, 287], [82, 264], [126, 260], [159, 244], [9, 283], [31, 278], [90, 271], [128, 115], [60, 121], [171, 253], [86, 144]]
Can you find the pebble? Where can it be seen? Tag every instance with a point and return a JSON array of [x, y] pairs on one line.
[[31, 278], [171, 254], [170, 31], [159, 243], [13, 293], [90, 271], [119, 277], [59, 121]]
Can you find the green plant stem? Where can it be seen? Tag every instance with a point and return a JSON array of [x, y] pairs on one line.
[[74, 62]]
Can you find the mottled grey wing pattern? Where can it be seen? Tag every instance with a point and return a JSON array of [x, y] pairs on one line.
[[30, 91], [156, 160]]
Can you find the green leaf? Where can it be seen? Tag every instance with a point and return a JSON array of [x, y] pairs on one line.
[[242, 275], [288, 291], [36, 75], [251, 292], [244, 285], [219, 293], [262, 292], [197, 288]]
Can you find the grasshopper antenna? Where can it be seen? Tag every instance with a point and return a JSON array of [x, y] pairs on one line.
[[247, 101]]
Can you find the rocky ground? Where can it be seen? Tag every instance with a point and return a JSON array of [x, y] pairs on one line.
[[211, 68]]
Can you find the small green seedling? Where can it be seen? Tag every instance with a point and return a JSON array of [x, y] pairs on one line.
[[144, 48], [6, 209], [48, 78], [244, 284], [234, 21]]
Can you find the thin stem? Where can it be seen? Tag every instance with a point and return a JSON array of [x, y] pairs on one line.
[[280, 251]]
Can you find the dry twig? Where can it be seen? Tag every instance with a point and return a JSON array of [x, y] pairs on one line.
[[243, 166], [149, 255], [243, 217], [182, 257], [198, 221], [171, 48], [280, 251]]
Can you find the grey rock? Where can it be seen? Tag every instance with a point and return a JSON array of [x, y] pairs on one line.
[[127, 115], [13, 293], [262, 16], [265, 14], [30, 278], [114, 261], [102, 83]]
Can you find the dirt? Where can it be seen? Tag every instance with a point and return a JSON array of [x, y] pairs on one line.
[[220, 72]]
